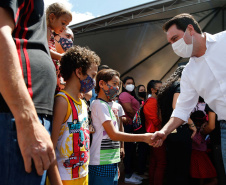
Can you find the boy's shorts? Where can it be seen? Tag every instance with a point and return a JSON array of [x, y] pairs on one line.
[[80, 181], [103, 174]]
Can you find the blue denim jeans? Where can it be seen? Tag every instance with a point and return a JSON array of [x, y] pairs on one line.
[[223, 141], [12, 171]]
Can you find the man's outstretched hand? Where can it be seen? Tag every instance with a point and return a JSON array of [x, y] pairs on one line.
[[157, 138]]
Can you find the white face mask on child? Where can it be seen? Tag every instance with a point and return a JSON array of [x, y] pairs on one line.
[[182, 49]]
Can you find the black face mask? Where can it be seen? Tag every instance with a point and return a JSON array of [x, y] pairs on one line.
[[157, 92], [142, 94]]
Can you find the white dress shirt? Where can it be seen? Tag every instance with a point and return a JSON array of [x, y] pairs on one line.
[[205, 76]]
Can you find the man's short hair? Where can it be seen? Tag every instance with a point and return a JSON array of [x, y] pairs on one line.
[[182, 21]]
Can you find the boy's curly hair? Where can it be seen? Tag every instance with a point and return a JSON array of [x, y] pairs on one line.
[[76, 57]]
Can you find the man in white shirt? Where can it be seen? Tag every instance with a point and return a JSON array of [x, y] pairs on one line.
[[204, 75]]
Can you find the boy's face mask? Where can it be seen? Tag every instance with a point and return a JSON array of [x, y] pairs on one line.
[[112, 92], [182, 49], [65, 43], [87, 84]]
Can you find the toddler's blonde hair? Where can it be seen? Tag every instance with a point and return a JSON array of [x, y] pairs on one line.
[[57, 9]]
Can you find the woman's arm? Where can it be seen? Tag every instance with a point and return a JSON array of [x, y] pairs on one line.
[[210, 126], [128, 109], [175, 97], [60, 111]]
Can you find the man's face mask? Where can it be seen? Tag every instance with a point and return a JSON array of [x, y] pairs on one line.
[[65, 43], [182, 49]]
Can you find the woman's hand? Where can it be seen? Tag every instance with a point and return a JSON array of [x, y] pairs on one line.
[[126, 120], [193, 128]]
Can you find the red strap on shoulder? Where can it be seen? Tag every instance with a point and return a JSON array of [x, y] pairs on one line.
[[74, 110]]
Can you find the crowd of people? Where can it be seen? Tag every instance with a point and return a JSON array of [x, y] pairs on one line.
[[66, 119]]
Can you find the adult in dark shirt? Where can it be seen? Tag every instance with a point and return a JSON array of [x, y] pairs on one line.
[[178, 143], [27, 83]]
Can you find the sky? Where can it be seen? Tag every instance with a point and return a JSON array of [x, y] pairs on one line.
[[83, 10]]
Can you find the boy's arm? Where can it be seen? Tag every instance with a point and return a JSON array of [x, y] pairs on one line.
[[121, 136], [33, 139], [121, 129], [59, 114]]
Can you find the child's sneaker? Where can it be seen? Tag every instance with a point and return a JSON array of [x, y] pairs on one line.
[[132, 180], [140, 177], [137, 176]]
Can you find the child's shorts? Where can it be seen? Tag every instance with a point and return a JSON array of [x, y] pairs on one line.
[[103, 174]]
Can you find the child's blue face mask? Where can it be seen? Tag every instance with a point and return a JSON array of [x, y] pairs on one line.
[[65, 43], [87, 84]]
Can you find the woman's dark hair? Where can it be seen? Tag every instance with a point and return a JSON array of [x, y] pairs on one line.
[[128, 78], [76, 57], [151, 84], [105, 75], [182, 21], [124, 90], [101, 67], [173, 78], [198, 117], [137, 93], [138, 87], [165, 95]]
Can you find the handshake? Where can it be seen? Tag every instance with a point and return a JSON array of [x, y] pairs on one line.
[[155, 139]]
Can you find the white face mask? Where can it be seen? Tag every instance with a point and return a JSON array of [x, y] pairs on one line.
[[130, 87], [182, 49]]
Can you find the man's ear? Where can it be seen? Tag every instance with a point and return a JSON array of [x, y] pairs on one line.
[[191, 29], [78, 72]]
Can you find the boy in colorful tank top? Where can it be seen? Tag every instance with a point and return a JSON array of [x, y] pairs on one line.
[[105, 148], [70, 131]]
